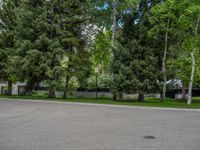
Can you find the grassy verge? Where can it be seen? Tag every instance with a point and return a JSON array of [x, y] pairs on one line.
[[152, 102]]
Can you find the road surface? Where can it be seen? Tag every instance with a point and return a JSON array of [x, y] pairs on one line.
[[38, 125]]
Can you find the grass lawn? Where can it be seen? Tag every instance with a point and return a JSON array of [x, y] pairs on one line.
[[152, 102]]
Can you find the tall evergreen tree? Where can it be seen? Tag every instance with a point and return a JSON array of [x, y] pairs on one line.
[[8, 41], [29, 42], [39, 33], [74, 43], [47, 31], [135, 60]]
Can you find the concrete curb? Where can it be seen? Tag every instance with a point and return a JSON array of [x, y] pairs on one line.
[[106, 105]]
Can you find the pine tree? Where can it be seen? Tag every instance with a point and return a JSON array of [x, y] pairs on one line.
[[73, 42], [40, 48], [135, 60], [29, 47], [7, 41], [48, 31]]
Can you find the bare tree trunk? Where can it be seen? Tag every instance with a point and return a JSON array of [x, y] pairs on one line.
[[52, 93], [114, 38], [66, 86], [114, 24], [164, 62], [183, 93], [29, 86], [9, 91], [141, 96], [189, 100]]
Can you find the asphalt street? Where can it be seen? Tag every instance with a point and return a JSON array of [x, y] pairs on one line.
[[38, 125]]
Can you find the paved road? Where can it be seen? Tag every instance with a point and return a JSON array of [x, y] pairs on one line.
[[28, 125]]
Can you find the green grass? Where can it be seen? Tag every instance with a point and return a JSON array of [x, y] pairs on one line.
[[152, 102], [196, 99]]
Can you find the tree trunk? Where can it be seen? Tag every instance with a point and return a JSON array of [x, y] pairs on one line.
[[114, 97], [29, 87], [164, 62], [141, 97], [9, 91], [183, 93], [52, 93], [66, 86], [189, 100], [114, 24]]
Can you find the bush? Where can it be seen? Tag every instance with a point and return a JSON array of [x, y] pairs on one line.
[[104, 81], [73, 83]]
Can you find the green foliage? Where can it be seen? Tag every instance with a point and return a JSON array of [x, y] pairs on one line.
[[103, 81], [91, 82], [98, 14], [3, 64], [187, 41], [46, 33], [159, 15], [135, 64], [190, 14], [73, 41], [7, 39], [46, 41], [73, 84], [101, 51]]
